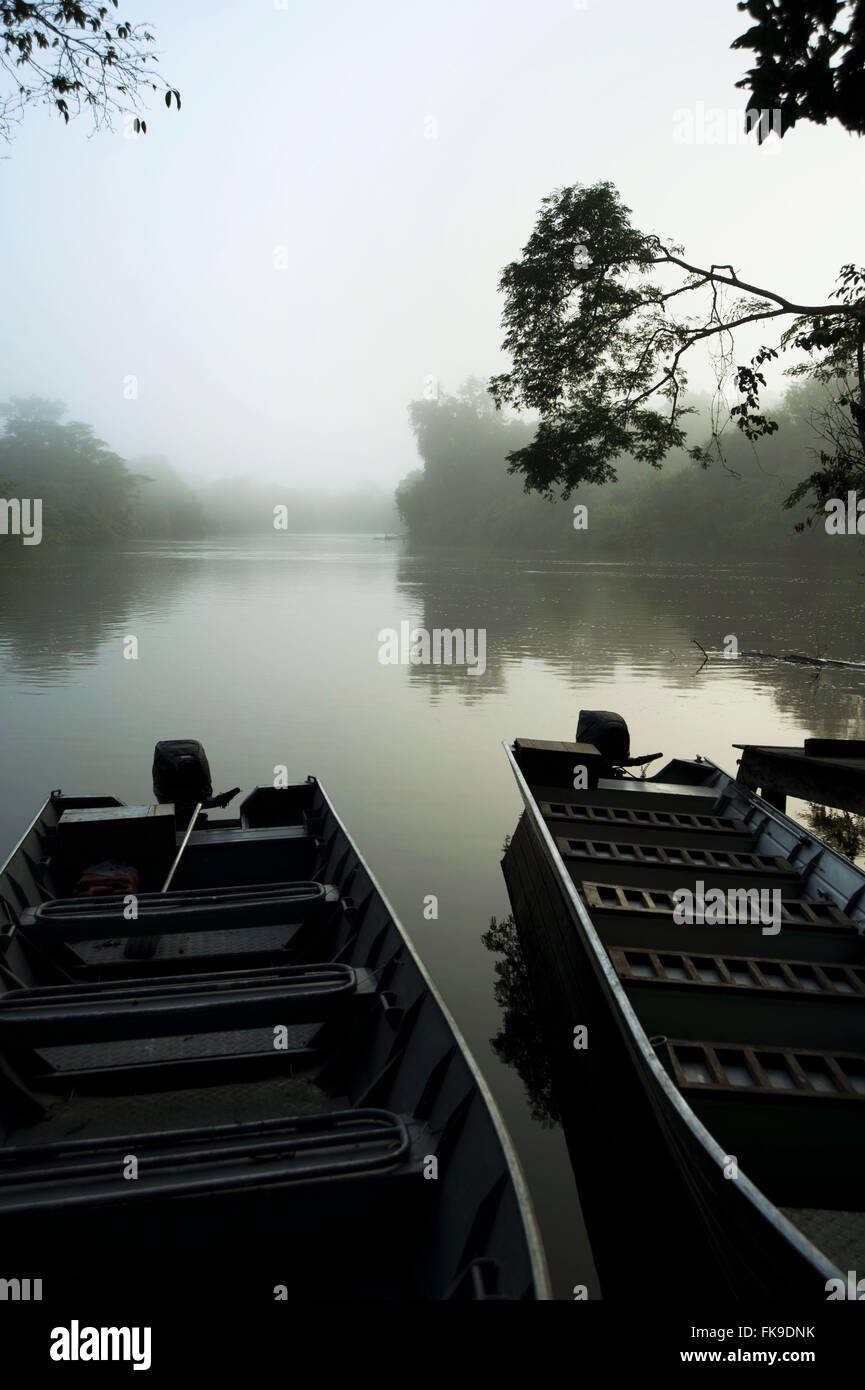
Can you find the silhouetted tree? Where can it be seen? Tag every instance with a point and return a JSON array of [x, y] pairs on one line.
[[598, 341], [86, 489], [808, 65], [463, 442], [67, 55]]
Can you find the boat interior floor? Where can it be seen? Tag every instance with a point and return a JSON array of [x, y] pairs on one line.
[[100, 1116], [839, 1234]]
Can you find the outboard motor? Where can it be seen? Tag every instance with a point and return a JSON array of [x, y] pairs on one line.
[[610, 735], [607, 731], [181, 772]]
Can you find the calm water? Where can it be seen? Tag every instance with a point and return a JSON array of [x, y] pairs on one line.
[[268, 653]]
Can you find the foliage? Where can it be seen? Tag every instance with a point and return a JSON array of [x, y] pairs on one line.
[[840, 417], [519, 1042], [599, 319], [464, 494], [463, 441], [68, 54], [808, 66], [166, 505], [86, 489], [91, 494], [840, 829]]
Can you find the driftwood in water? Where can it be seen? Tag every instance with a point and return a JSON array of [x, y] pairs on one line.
[[795, 657], [806, 660]]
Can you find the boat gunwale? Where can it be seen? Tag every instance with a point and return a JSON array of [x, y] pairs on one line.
[[787, 823], [647, 1056], [528, 1219]]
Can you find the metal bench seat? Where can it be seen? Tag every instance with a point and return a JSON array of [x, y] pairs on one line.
[[161, 1006], [183, 910], [209, 1160]]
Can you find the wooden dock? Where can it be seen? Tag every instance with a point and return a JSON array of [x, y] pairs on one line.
[[829, 772]]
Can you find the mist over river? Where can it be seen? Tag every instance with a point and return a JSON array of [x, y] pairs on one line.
[[268, 652]]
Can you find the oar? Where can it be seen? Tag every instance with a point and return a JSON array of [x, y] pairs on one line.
[[142, 947]]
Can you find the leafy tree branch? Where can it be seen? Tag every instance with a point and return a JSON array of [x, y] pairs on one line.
[[599, 340], [69, 55]]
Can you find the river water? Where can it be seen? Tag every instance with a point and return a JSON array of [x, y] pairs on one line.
[[269, 654]]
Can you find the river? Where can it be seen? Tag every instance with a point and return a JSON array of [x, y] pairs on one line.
[[269, 653]]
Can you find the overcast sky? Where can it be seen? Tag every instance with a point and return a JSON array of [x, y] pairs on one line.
[[308, 127]]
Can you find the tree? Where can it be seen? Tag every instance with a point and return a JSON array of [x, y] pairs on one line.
[[833, 398], [166, 504], [807, 66], [66, 54], [87, 491], [599, 319], [31, 408], [463, 442]]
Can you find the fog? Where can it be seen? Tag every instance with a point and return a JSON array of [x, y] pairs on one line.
[[263, 282], [276, 501]]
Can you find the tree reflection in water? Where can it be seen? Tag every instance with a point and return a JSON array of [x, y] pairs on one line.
[[518, 1042], [840, 829]]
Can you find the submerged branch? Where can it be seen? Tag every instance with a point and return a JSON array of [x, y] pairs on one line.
[[802, 660], [798, 658]]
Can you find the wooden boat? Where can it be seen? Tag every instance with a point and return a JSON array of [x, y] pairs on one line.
[[715, 1104], [240, 1075]]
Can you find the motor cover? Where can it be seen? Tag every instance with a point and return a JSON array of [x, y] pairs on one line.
[[607, 731], [181, 772]]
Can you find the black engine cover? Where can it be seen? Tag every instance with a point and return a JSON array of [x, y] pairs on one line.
[[181, 772], [607, 731]]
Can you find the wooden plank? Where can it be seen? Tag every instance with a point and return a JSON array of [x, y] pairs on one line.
[[835, 782], [835, 747]]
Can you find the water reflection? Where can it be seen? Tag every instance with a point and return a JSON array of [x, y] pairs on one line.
[[518, 1042], [60, 604], [593, 624], [842, 830]]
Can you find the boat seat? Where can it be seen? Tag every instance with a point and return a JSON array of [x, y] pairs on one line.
[[165, 1006], [678, 993], [673, 866], [793, 1116], [643, 919], [183, 910], [756, 973], [239, 835], [659, 904], [631, 824], [633, 793], [233, 857], [210, 1160]]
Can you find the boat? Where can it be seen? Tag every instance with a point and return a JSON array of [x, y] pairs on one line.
[[223, 1065], [697, 963]]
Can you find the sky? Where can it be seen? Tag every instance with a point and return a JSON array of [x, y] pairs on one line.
[[284, 263]]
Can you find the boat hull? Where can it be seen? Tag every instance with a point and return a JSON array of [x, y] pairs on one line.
[[653, 1165], [272, 1098]]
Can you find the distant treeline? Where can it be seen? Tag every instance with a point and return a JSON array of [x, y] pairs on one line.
[[90, 493], [463, 494]]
